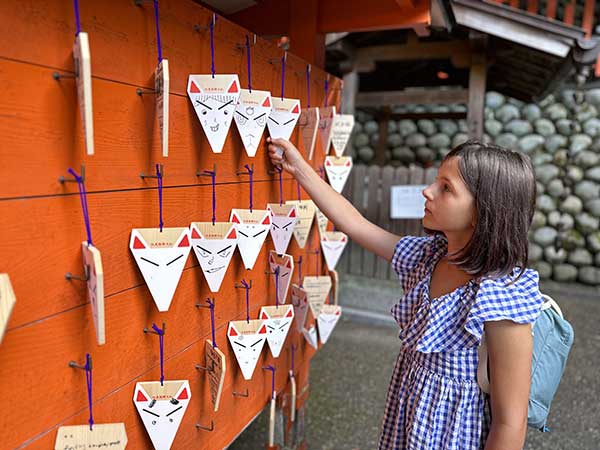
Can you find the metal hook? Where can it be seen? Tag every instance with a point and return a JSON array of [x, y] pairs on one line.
[[142, 91], [74, 365], [243, 46], [160, 170], [199, 28], [69, 276], [58, 75], [241, 286], [62, 179], [240, 394], [245, 171], [149, 330], [206, 173], [211, 428]]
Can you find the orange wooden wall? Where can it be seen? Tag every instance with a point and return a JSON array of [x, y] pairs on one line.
[[42, 225]]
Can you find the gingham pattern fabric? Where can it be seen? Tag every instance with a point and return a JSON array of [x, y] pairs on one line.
[[434, 401]]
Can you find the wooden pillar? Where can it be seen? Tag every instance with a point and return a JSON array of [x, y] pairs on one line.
[[305, 40], [351, 83], [477, 85]]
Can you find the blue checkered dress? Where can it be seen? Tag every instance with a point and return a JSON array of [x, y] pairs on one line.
[[434, 401]]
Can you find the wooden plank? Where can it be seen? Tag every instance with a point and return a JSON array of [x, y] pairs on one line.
[[414, 227], [305, 40], [412, 51], [412, 96], [358, 189], [383, 220], [398, 225], [372, 191]]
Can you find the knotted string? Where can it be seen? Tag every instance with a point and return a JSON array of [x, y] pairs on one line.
[[88, 379], [283, 58], [251, 175], [248, 57], [158, 45], [161, 341], [247, 288], [326, 91], [84, 205], [213, 175], [212, 44], [308, 69], [77, 21], [211, 306], [276, 287], [160, 192]]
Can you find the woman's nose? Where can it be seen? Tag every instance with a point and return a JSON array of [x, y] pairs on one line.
[[427, 192]]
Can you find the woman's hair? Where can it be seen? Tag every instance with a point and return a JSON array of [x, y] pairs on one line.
[[502, 183]]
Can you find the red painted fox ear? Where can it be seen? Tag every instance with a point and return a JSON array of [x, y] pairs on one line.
[[296, 110], [185, 242], [267, 102], [327, 162], [235, 218], [289, 264], [193, 88], [343, 239], [289, 313], [232, 234], [292, 213], [264, 316], [233, 89], [138, 244], [196, 234], [232, 331], [263, 330], [348, 163], [267, 220], [140, 397], [184, 395]]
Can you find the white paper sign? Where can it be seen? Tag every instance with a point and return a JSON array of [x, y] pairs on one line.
[[278, 320], [317, 288], [252, 229], [338, 170], [326, 116], [310, 335], [247, 340], [407, 201], [322, 220], [161, 87], [161, 257], [251, 115], [283, 117], [162, 408], [300, 304], [333, 244], [95, 287], [305, 210], [83, 68], [283, 222], [215, 99], [7, 302], [284, 264], [309, 123], [109, 436], [327, 320], [214, 245], [341, 130]]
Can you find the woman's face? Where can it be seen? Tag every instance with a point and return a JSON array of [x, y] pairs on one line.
[[449, 206]]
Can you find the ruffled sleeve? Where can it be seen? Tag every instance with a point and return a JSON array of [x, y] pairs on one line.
[[519, 302], [410, 254]]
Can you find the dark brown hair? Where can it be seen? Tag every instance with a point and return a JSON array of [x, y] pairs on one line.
[[502, 183]]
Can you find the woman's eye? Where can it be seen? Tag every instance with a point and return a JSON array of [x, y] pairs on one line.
[[446, 188]]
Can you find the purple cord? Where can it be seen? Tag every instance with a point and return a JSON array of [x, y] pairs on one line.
[[277, 287], [247, 287], [211, 305], [300, 271], [161, 341], [283, 74], [308, 83], [326, 92], [321, 172], [160, 203], [88, 379], [280, 170], [213, 176], [212, 44], [248, 55], [157, 32], [77, 21], [272, 369], [84, 205], [251, 174]]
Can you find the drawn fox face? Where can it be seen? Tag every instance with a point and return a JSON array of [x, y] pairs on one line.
[[333, 244], [284, 265], [214, 246], [327, 320], [278, 321], [310, 335], [283, 219], [252, 229], [247, 340], [283, 117], [338, 170], [162, 408], [161, 257], [341, 130], [300, 303], [251, 115]]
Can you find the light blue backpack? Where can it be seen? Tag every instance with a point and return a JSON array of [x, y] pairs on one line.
[[552, 340]]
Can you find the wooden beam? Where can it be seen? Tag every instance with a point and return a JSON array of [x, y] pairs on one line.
[[412, 96], [267, 18], [305, 40], [413, 51]]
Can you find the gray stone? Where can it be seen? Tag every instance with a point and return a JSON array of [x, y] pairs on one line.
[[553, 218], [448, 127], [561, 157], [544, 127], [506, 113], [543, 268], [597, 260], [547, 101], [439, 108], [589, 275], [586, 223], [566, 222], [593, 96], [518, 103], [574, 173], [587, 190], [459, 138], [580, 257], [366, 154], [567, 127], [357, 128], [554, 142], [556, 111], [554, 255], [572, 239], [392, 127], [556, 188], [404, 154], [544, 236], [539, 188], [371, 127], [439, 140], [494, 99], [374, 140], [568, 98], [587, 159], [585, 112], [420, 109], [362, 116], [361, 140], [530, 143], [593, 174], [546, 204], [493, 127], [507, 140], [535, 252], [580, 142], [540, 158], [427, 127], [407, 127], [394, 140], [546, 173], [591, 127], [416, 140], [463, 126], [518, 127], [595, 144], [458, 108], [538, 221], [571, 205], [593, 207], [564, 272], [531, 112], [425, 155], [593, 241], [399, 109]]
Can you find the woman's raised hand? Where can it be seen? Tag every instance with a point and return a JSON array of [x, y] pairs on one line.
[[284, 154]]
